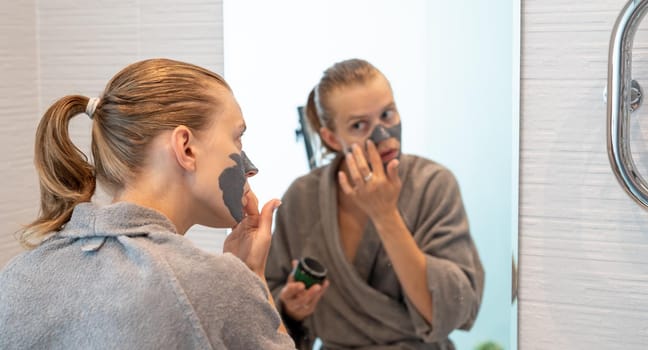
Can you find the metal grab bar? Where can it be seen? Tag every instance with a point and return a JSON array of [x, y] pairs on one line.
[[619, 104]]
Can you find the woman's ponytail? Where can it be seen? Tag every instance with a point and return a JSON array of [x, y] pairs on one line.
[[66, 177], [311, 112]]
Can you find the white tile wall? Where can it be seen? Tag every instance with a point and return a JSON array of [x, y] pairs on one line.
[[52, 48], [583, 241], [18, 120]]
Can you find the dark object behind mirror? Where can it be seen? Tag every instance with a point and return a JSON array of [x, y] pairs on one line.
[[306, 133]]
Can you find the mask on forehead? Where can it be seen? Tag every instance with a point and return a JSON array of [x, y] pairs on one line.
[[232, 183], [380, 133]]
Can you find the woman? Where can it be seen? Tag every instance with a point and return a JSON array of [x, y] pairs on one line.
[[166, 143], [391, 229]]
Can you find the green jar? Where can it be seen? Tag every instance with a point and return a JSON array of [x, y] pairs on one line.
[[309, 271]]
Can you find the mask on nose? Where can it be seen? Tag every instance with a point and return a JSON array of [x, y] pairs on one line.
[[248, 168], [232, 183], [380, 133]]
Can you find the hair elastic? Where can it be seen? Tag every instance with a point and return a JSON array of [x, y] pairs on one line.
[[318, 106], [91, 106]]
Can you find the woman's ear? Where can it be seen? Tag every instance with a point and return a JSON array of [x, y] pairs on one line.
[[182, 142], [329, 138]]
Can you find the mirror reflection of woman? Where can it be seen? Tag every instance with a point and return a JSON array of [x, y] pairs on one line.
[[403, 271], [166, 143]]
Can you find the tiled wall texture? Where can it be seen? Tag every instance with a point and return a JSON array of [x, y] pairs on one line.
[[583, 241], [18, 120]]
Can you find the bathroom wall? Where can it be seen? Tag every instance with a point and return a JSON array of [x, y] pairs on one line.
[[52, 48], [583, 241], [18, 120]]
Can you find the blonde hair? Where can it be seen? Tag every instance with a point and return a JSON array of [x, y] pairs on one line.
[[341, 74], [139, 102]]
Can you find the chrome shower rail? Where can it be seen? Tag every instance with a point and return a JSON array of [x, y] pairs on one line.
[[619, 101]]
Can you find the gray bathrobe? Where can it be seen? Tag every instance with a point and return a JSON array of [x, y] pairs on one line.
[[119, 277], [365, 307]]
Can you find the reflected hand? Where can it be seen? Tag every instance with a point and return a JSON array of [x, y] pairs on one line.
[[250, 239], [299, 302], [372, 188]]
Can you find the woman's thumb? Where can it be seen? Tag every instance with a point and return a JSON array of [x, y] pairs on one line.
[[265, 221]]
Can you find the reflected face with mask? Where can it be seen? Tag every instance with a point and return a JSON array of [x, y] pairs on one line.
[[364, 111]]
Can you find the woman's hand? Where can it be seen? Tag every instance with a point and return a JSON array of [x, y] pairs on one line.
[[371, 188], [250, 239], [299, 302]]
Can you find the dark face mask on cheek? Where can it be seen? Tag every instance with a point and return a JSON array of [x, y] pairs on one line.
[[232, 183]]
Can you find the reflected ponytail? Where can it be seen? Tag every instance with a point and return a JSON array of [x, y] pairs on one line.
[[315, 121], [65, 175], [311, 112]]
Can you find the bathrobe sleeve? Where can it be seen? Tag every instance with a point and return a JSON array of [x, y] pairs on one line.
[[455, 276], [229, 301], [252, 316]]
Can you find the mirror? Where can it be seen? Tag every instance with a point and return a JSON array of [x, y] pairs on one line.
[[454, 70], [453, 66]]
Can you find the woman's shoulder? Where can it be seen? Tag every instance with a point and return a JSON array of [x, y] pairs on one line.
[[180, 251], [204, 270], [307, 185], [212, 281], [16, 265], [424, 169], [28, 262]]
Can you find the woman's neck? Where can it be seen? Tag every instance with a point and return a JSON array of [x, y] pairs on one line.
[[160, 195]]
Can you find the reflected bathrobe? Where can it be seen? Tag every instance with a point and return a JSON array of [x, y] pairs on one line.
[[365, 306], [119, 277]]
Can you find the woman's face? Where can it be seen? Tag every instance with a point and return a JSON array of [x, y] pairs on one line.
[[362, 112], [222, 168]]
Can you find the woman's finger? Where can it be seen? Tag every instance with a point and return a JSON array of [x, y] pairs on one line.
[[320, 292], [392, 171], [353, 169], [291, 277], [314, 293], [265, 221], [291, 291], [307, 305], [374, 159], [344, 183], [361, 161], [252, 205]]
